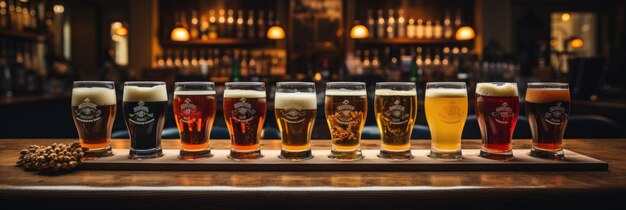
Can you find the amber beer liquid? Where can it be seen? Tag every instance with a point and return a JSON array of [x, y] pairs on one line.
[[346, 110], [395, 108], [295, 109], [497, 109], [93, 111], [244, 112], [547, 108], [194, 111]]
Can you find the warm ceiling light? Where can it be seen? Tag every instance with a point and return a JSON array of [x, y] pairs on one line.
[[576, 43], [276, 32], [180, 34], [359, 32], [465, 33], [565, 16]]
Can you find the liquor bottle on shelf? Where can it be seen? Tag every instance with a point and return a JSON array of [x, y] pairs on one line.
[[203, 66], [34, 25], [4, 14], [405, 61], [270, 19], [380, 28], [25, 17], [428, 30], [391, 25], [216, 62], [370, 23], [375, 62], [447, 26], [16, 16], [230, 24], [213, 31], [221, 23], [177, 60], [185, 60], [250, 24], [168, 59], [243, 64], [261, 25], [194, 33], [204, 28], [410, 29], [419, 29], [366, 62], [457, 19], [401, 24], [413, 76], [240, 25], [437, 30], [194, 59], [358, 63], [236, 67]]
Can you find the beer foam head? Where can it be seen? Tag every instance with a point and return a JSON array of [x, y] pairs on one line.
[[493, 89], [446, 92], [154, 93], [390, 92], [234, 93], [547, 95], [187, 93], [97, 95], [345, 92], [303, 100]]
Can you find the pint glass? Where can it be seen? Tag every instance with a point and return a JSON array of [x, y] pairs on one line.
[[547, 108], [244, 112], [194, 110], [93, 111], [395, 108], [497, 109], [144, 107], [446, 112], [346, 111], [295, 109]]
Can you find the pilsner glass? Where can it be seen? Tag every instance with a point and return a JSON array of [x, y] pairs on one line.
[[93, 109], [395, 108], [194, 111], [547, 108], [244, 112], [144, 106], [446, 112], [295, 109], [346, 111], [497, 109]]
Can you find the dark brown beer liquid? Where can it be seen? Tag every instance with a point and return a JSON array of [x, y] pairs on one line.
[[547, 111], [244, 127]]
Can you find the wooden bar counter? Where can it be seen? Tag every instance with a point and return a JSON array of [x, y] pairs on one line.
[[89, 189]]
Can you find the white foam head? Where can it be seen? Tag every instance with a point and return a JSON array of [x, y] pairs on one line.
[[190, 93], [97, 95], [304, 100], [154, 93], [491, 89], [233, 93], [390, 92], [446, 92], [345, 92]]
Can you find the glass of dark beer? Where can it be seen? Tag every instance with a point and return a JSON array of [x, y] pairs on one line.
[[497, 109], [244, 112], [93, 111], [144, 107], [194, 109], [295, 107], [547, 108]]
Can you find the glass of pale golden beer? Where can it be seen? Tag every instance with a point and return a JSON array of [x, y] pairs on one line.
[[497, 109], [547, 108], [395, 108], [346, 111], [144, 106], [93, 110], [244, 112], [194, 110], [295, 109], [446, 112]]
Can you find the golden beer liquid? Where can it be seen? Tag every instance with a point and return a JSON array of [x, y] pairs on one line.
[[345, 116], [395, 115], [446, 117], [295, 128]]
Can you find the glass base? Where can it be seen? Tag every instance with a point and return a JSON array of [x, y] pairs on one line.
[[190, 155], [393, 155], [505, 156], [295, 156], [145, 154], [92, 154], [346, 155], [555, 155], [235, 155], [441, 155]]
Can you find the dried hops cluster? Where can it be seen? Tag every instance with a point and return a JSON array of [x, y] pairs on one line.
[[57, 157]]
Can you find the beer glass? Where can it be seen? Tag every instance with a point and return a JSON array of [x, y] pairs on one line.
[[547, 108], [244, 112], [446, 112], [144, 107], [194, 110], [346, 111], [395, 108], [497, 109], [93, 110], [295, 108]]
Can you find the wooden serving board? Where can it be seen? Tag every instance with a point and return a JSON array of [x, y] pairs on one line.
[[320, 162]]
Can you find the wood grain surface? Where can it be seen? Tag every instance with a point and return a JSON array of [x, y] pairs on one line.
[[320, 189]]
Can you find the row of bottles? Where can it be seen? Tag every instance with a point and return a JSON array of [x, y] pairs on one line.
[[21, 68], [226, 23], [233, 63], [19, 15], [396, 25]]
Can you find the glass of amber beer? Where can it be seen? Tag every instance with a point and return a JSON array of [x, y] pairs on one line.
[[244, 112], [144, 106], [497, 108], [295, 109], [446, 112], [346, 111], [395, 108], [194, 110], [547, 108], [93, 110]]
